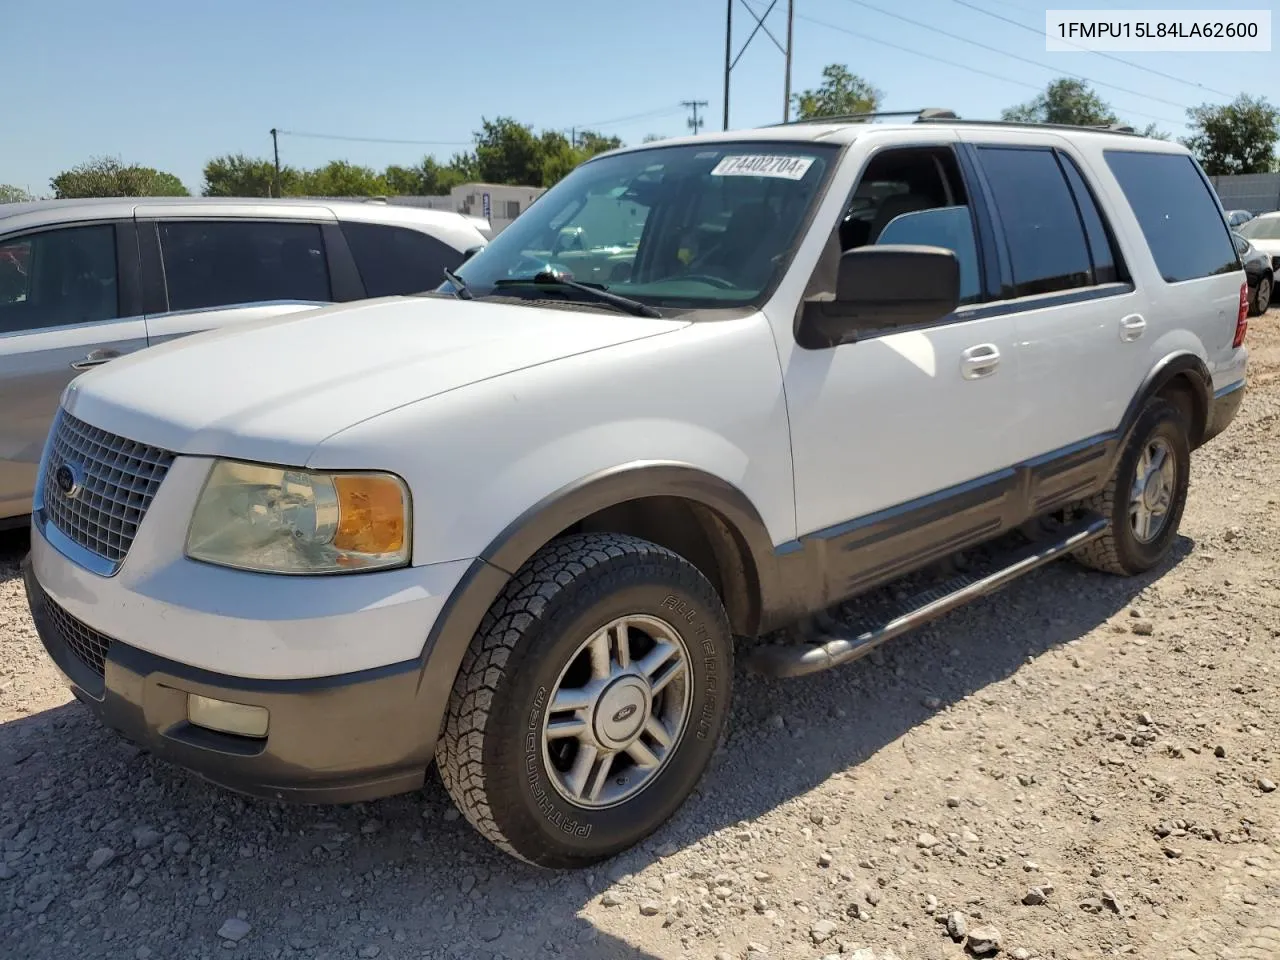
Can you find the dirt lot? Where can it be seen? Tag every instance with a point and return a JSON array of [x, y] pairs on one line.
[[1079, 767]]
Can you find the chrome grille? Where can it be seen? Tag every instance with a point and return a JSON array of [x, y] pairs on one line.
[[86, 644], [114, 482]]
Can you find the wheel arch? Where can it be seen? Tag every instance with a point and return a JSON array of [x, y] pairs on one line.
[[1184, 379], [674, 504]]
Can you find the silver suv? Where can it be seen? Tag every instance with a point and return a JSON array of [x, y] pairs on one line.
[[85, 281]]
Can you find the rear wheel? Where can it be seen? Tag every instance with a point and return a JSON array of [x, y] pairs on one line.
[[1146, 495], [1262, 296], [590, 701]]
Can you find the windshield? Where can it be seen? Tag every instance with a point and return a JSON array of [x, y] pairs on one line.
[[706, 225], [1261, 228]]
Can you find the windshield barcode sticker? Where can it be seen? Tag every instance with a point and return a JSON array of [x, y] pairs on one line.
[[757, 165]]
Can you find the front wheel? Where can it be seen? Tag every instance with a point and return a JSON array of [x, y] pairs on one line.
[[590, 701], [1145, 497]]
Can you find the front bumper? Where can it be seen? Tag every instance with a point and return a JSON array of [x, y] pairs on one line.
[[330, 740]]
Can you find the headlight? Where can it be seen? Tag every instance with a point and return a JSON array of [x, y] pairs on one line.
[[277, 520]]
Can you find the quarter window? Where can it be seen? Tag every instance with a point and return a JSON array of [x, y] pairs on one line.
[[1178, 212], [58, 278], [1047, 248], [223, 263], [394, 261]]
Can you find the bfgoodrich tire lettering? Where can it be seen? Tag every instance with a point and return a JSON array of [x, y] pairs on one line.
[[491, 754], [1161, 431]]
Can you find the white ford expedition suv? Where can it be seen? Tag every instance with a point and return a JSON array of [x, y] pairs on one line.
[[701, 392]]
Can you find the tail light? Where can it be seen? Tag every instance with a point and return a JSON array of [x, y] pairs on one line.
[[1242, 318]]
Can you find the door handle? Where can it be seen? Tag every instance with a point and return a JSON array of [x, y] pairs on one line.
[[980, 361], [1132, 327], [95, 358]]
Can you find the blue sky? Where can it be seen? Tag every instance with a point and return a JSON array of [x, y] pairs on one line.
[[171, 84]]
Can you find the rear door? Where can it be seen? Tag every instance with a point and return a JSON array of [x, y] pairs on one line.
[[69, 301], [1080, 323], [395, 260], [202, 272]]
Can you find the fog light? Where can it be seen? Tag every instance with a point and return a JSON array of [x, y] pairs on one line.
[[236, 718]]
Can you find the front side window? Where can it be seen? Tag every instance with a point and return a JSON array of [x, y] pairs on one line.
[[223, 263], [709, 225], [394, 261], [1048, 252], [1178, 212], [58, 278]]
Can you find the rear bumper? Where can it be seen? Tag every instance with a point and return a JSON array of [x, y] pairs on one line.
[[339, 739], [1226, 404]]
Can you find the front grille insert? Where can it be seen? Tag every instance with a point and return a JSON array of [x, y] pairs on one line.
[[85, 643], [97, 486]]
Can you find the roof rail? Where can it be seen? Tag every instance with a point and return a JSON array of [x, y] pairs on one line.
[[1022, 124], [932, 113]]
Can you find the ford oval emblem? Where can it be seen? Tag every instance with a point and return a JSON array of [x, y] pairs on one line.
[[67, 477], [625, 713]]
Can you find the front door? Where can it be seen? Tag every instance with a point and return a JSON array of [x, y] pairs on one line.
[[67, 304], [901, 441]]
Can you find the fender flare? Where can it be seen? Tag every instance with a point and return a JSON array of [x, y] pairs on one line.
[[1186, 366], [488, 574]]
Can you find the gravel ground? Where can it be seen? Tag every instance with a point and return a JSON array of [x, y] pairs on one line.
[[1079, 767]]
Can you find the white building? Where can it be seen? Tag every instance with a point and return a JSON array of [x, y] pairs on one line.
[[498, 203]]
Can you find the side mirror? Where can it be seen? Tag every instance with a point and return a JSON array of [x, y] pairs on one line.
[[880, 288], [471, 252]]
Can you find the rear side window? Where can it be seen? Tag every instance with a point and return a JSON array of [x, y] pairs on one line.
[[1106, 266], [395, 261], [1048, 252], [58, 278], [1179, 216], [223, 263]]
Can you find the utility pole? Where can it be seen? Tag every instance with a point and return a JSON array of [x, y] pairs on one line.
[[275, 148], [786, 95], [731, 61], [694, 122], [728, 52]]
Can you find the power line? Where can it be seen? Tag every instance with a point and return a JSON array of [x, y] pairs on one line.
[[1004, 53], [661, 112], [1101, 53], [339, 136], [951, 63]]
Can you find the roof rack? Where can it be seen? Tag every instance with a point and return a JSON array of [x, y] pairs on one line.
[[928, 113], [1102, 127]]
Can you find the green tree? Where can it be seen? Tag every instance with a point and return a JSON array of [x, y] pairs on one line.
[[1155, 133], [236, 175], [1066, 101], [109, 177], [1236, 137], [653, 137], [430, 178], [590, 143], [338, 178], [11, 194], [558, 158], [508, 152], [841, 93]]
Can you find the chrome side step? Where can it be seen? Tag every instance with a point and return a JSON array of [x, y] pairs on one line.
[[833, 647]]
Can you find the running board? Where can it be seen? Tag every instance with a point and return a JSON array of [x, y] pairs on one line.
[[834, 647]]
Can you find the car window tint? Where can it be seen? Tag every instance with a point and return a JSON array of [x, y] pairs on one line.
[[58, 278], [223, 263], [1179, 215], [1101, 249], [947, 227], [1046, 241], [394, 261]]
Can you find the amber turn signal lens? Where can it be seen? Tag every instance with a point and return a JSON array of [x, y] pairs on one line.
[[371, 514]]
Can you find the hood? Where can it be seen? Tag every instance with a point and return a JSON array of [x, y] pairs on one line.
[[272, 390]]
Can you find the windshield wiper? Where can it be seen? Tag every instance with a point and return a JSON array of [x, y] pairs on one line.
[[461, 290], [598, 293]]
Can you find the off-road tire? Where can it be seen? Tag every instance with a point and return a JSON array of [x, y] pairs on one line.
[[1119, 551], [490, 754]]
